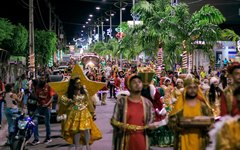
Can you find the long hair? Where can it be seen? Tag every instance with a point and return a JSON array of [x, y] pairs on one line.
[[72, 88], [212, 95], [212, 91]]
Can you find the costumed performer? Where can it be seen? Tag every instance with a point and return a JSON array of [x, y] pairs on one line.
[[230, 104], [191, 108], [213, 96], [161, 136], [225, 134], [132, 117], [76, 109]]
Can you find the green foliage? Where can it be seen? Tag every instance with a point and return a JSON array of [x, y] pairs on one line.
[[17, 45], [45, 46], [228, 34], [106, 48], [6, 30], [168, 26]]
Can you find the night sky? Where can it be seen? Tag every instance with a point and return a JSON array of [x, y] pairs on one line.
[[74, 13]]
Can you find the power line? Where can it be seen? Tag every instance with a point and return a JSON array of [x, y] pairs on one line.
[[24, 3], [41, 16]]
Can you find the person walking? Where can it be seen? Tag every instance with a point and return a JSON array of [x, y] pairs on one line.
[[133, 116]]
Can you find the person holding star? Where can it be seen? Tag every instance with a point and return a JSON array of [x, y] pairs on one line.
[[76, 109]]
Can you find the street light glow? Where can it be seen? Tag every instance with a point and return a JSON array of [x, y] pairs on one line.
[[82, 31], [86, 22], [112, 14], [84, 26], [89, 19], [90, 15], [107, 19], [98, 8], [123, 8]]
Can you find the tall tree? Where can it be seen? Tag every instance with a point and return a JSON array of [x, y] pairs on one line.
[[45, 45], [6, 30], [17, 45], [171, 25]]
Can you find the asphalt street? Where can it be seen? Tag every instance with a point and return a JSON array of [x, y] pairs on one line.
[[104, 114]]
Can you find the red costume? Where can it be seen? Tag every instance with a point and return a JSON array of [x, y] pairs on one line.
[[135, 116]]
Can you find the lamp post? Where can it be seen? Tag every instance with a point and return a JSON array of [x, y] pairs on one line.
[[101, 20], [121, 4], [110, 13]]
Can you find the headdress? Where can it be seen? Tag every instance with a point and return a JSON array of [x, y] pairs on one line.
[[130, 77], [167, 79], [146, 74], [190, 80], [213, 79], [179, 80], [232, 67]]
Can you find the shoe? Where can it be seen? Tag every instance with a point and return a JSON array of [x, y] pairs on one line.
[[103, 103], [35, 142], [47, 141]]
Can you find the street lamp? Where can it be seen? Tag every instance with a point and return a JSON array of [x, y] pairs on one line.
[[100, 20], [84, 26], [91, 15], [110, 13], [98, 8], [89, 19], [121, 4]]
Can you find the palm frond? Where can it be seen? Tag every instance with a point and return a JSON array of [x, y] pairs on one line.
[[228, 34]]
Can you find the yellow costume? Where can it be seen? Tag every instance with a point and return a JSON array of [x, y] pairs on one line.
[[79, 118], [216, 105], [189, 138], [225, 134], [79, 110]]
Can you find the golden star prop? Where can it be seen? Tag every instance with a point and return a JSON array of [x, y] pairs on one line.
[[92, 87]]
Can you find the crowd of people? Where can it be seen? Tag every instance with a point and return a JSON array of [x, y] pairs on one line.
[[166, 108]]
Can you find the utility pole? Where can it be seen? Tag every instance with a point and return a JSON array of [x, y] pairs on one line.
[[31, 66], [50, 16], [133, 2], [121, 55]]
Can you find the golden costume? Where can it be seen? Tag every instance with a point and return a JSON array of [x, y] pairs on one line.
[[225, 134], [79, 118], [186, 138], [214, 105], [79, 111]]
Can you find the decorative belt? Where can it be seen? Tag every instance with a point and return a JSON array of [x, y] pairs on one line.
[[127, 126], [79, 107]]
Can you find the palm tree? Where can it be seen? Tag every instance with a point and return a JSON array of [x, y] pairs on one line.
[[109, 48], [171, 25], [228, 34]]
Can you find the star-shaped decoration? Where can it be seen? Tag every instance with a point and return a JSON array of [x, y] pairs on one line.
[[92, 87]]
